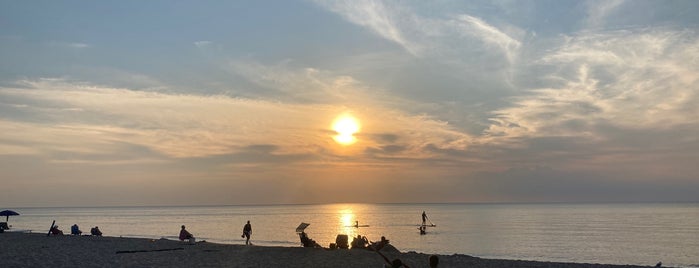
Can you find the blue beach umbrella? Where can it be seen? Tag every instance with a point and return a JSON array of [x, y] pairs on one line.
[[8, 213]]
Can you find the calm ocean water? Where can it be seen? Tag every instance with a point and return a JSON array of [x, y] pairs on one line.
[[596, 233]]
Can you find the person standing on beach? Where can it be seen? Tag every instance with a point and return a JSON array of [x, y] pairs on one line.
[[247, 232], [424, 217]]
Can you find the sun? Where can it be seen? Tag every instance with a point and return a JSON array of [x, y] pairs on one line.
[[346, 126]]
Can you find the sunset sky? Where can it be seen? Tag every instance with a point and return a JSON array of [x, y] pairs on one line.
[[233, 102]]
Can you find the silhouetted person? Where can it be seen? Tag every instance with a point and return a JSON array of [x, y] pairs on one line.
[[96, 231], [380, 244], [247, 232], [356, 224], [434, 261], [659, 264], [423, 230], [75, 230], [56, 231], [359, 242], [304, 239], [424, 217], [308, 242], [185, 235]]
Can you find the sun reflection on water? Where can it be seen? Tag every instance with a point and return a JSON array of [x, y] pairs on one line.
[[347, 219]]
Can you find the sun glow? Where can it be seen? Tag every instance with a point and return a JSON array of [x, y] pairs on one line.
[[345, 126]]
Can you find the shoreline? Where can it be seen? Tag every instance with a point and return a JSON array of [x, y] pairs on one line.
[[39, 250]]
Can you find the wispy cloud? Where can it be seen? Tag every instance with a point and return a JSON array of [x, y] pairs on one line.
[[185, 126], [610, 83], [74, 45], [377, 16], [598, 11], [490, 35], [78, 45], [425, 36], [202, 44]]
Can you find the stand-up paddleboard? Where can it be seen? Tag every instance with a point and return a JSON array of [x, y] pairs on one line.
[[424, 225], [357, 225]]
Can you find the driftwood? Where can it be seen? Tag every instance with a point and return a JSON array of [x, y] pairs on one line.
[[151, 250]]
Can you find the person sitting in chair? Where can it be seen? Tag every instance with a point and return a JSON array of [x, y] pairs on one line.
[[96, 231], [307, 242], [359, 242], [56, 231], [380, 244], [75, 230]]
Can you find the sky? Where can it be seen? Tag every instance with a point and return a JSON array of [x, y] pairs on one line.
[[123, 103]]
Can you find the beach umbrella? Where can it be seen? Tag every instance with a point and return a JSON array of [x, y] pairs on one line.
[[8, 213], [302, 227]]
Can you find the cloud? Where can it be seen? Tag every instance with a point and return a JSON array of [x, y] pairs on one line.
[[73, 45], [78, 45], [202, 44], [490, 35], [598, 11], [91, 118], [375, 15], [445, 38], [610, 88], [634, 80]]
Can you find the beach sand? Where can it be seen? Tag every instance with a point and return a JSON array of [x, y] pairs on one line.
[[38, 250]]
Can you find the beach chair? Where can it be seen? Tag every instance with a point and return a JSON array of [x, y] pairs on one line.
[[3, 226], [342, 241]]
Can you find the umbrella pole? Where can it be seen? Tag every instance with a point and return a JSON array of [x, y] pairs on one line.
[[49, 233]]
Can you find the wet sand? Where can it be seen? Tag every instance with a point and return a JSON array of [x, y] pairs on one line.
[[38, 250]]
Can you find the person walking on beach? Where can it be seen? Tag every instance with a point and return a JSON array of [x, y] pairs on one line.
[[247, 232], [424, 217]]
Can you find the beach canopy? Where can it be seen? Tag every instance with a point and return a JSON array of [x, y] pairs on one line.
[[8, 213], [302, 227]]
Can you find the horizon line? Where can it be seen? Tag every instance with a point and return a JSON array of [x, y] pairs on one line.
[[378, 203]]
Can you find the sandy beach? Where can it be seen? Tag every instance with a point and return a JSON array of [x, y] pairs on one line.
[[38, 250]]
